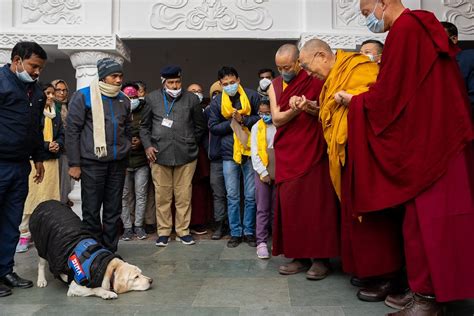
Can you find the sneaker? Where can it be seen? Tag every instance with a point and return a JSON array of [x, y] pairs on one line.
[[140, 232], [234, 242], [187, 240], [262, 251], [199, 230], [22, 245], [127, 234], [250, 240], [162, 241]]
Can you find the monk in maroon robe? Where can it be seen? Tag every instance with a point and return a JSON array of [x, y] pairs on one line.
[[306, 213], [410, 144]]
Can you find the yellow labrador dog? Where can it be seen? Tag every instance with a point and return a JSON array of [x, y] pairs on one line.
[[75, 257]]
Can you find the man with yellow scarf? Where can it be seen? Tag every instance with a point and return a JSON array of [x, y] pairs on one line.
[[232, 115], [381, 257]]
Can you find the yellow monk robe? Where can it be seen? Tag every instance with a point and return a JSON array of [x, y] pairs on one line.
[[353, 73]]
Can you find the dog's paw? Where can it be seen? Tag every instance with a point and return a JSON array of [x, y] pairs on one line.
[[42, 283], [109, 295]]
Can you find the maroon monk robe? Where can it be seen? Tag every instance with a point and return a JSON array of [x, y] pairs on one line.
[[306, 212], [408, 135], [201, 201]]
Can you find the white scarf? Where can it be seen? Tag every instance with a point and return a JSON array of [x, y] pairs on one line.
[[98, 120], [51, 112]]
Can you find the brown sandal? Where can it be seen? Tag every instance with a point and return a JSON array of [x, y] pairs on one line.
[[295, 266]]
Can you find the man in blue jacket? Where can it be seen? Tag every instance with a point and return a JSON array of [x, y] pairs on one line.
[[21, 107], [98, 138], [232, 115]]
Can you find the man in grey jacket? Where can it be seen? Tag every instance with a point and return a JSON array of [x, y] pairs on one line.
[[98, 139], [171, 130]]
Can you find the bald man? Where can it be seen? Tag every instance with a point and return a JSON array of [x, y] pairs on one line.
[[372, 49], [306, 214], [371, 246], [410, 144]]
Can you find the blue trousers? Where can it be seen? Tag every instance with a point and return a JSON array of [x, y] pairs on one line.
[[13, 193]]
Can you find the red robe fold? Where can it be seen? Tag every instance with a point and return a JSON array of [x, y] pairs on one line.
[[406, 135], [306, 212]]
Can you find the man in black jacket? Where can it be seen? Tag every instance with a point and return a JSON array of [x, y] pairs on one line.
[[171, 129], [21, 106], [98, 140]]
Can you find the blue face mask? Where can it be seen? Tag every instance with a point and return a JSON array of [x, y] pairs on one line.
[[231, 89], [373, 24], [24, 76], [288, 76], [267, 118], [134, 103]]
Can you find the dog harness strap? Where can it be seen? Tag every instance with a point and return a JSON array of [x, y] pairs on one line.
[[82, 258]]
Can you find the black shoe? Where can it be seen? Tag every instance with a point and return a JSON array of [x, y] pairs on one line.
[[250, 240], [234, 242], [13, 280], [150, 229], [5, 290], [219, 231]]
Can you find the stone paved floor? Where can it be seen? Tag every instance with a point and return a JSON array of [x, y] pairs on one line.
[[204, 279]]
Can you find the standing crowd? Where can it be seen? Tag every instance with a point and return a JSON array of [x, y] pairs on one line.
[[366, 156]]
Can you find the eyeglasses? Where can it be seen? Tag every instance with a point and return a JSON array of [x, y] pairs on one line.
[[306, 66]]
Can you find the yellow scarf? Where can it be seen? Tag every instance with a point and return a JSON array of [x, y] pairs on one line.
[[353, 73], [262, 142], [49, 115], [226, 110]]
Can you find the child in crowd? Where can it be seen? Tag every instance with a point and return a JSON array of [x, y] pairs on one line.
[[135, 190], [53, 136], [262, 135]]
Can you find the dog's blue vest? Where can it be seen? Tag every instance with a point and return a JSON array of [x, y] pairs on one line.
[[81, 259]]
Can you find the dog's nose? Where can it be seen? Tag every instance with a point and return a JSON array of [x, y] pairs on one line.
[[150, 280]]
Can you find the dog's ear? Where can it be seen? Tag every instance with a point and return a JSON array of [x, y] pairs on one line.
[[108, 282]]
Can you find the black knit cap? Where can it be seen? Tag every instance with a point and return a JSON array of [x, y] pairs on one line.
[[171, 72], [107, 66]]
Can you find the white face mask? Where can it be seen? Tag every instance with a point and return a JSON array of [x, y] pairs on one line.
[[264, 84], [24, 76], [199, 95], [173, 93]]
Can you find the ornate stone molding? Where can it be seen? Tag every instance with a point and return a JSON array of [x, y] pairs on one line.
[[337, 41], [52, 11], [460, 13], [5, 56], [211, 15], [346, 14], [111, 44]]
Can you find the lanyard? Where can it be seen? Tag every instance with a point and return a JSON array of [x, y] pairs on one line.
[[168, 110]]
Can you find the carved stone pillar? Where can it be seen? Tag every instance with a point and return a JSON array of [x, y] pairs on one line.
[[85, 63], [5, 56]]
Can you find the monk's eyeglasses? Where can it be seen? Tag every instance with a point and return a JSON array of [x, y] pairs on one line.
[[306, 66]]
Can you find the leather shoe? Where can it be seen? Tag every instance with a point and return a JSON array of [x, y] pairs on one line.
[[13, 280], [295, 266], [421, 306], [379, 291], [399, 301], [5, 290], [318, 271]]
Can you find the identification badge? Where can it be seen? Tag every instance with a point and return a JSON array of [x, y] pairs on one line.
[[167, 122]]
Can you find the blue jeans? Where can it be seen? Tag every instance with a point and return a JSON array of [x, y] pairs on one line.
[[13, 192], [232, 172]]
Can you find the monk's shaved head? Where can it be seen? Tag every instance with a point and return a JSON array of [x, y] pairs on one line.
[[290, 50], [388, 10], [317, 58], [316, 45]]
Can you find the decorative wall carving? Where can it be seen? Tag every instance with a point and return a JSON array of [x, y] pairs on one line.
[[70, 42], [211, 15], [339, 41], [346, 14], [5, 56], [461, 13], [51, 11]]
